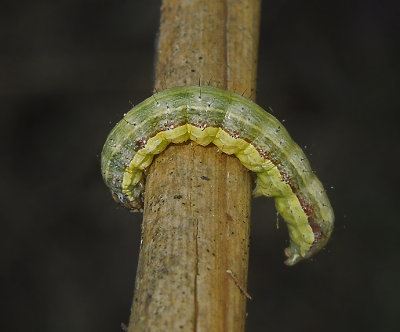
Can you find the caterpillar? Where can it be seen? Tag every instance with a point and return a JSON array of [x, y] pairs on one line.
[[237, 126]]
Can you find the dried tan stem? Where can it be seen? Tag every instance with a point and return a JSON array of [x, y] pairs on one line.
[[197, 204]]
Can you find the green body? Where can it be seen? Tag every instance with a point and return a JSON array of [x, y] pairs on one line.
[[237, 126]]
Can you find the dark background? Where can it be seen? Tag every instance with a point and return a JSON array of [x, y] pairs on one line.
[[70, 69]]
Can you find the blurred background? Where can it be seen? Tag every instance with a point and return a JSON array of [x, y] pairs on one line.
[[68, 72]]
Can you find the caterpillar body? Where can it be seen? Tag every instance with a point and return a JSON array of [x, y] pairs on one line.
[[237, 126]]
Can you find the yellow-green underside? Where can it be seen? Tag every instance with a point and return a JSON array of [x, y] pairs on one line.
[[269, 180]]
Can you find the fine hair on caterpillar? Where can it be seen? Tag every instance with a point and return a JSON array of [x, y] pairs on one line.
[[211, 82]]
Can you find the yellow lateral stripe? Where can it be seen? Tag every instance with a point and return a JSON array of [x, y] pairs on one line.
[[269, 181]]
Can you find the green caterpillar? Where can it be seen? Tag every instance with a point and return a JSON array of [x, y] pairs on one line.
[[236, 125]]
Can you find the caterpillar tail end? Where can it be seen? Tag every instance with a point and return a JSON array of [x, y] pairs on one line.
[[293, 255]]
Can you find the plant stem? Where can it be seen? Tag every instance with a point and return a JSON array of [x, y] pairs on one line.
[[196, 220]]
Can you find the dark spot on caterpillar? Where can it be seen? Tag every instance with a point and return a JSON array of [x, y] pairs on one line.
[[228, 217], [169, 125], [133, 124], [193, 70], [177, 196], [264, 154], [200, 124], [317, 230], [203, 177], [286, 178], [141, 142]]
